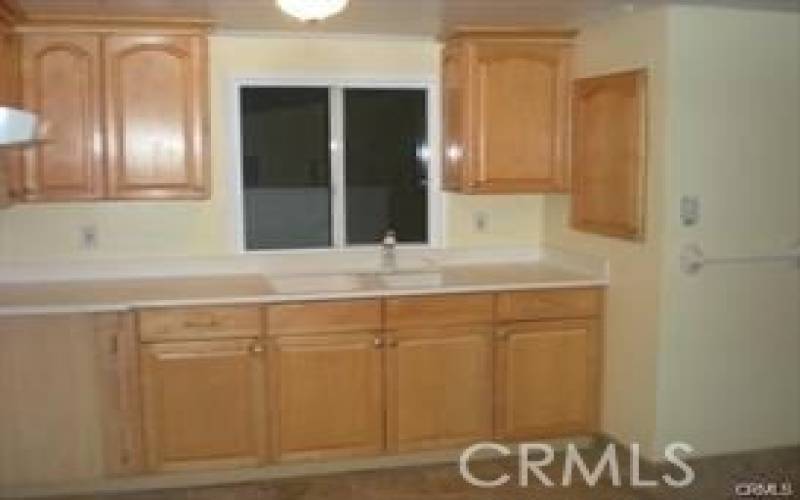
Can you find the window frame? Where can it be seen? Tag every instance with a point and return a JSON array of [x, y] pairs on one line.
[[336, 87]]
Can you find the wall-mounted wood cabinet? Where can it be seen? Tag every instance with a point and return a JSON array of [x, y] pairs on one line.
[[124, 114], [506, 111], [10, 166], [609, 154], [61, 81], [155, 100]]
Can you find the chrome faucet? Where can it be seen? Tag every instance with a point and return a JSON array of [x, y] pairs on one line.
[[389, 251]]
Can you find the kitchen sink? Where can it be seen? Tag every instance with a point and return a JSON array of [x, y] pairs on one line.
[[425, 279], [316, 283]]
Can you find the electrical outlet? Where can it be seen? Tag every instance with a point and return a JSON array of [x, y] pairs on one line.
[[480, 221], [690, 210], [89, 240]]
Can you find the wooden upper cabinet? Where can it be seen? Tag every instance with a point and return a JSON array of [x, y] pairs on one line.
[[609, 155], [155, 102], [454, 119], [9, 56], [10, 158], [506, 110], [61, 82]]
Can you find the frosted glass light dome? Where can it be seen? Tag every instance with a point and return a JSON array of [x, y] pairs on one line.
[[311, 10]]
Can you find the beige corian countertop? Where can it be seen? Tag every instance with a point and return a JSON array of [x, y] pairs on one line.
[[107, 295]]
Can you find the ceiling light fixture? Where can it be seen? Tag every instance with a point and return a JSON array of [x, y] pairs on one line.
[[311, 10]]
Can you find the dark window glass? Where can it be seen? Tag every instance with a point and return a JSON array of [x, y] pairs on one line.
[[386, 165], [286, 167]]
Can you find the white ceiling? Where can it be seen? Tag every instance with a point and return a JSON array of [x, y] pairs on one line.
[[398, 17]]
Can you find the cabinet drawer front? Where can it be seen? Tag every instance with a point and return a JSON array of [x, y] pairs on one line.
[[551, 304], [319, 317], [439, 310], [197, 323]]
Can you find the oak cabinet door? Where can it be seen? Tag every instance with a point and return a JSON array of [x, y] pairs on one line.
[[61, 78], [203, 404], [520, 105], [326, 395], [453, 117], [155, 101], [609, 154], [10, 158], [547, 379], [439, 387]]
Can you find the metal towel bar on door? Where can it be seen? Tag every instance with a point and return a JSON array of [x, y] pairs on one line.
[[693, 259]]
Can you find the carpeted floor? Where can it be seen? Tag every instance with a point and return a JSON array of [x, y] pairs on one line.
[[716, 478]]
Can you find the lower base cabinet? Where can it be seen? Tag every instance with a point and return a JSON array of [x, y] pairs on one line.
[[68, 399], [88, 397], [326, 395], [203, 404], [439, 387], [547, 379]]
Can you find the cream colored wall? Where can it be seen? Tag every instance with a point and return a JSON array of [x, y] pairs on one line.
[[137, 229], [709, 360], [729, 370], [637, 40]]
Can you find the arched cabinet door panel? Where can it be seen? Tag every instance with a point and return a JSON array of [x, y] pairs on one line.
[[520, 103], [505, 111], [156, 116], [61, 79]]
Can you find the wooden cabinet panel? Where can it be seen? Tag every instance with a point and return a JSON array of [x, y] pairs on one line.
[[69, 395], [61, 82], [609, 154], [439, 387], [200, 323], [155, 101], [547, 379], [520, 111], [9, 71], [549, 304], [506, 111], [10, 158], [322, 317], [432, 310], [326, 395], [454, 81], [203, 404]]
